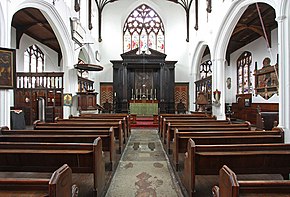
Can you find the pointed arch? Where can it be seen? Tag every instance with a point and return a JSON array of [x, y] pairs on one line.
[[57, 24]]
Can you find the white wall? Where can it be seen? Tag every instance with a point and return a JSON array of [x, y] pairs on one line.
[[51, 57], [259, 51], [173, 17]]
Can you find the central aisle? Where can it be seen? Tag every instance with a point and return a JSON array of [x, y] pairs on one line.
[[144, 170]]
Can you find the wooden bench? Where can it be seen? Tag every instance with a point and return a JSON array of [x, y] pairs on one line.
[[267, 120], [206, 126], [118, 131], [169, 124], [242, 158], [108, 116], [64, 136], [125, 124], [180, 116], [221, 137], [165, 122], [58, 185], [46, 157], [230, 186]]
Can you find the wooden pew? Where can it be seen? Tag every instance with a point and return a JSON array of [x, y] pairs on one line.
[[205, 126], [230, 186], [58, 185], [266, 120], [165, 122], [64, 136], [169, 124], [242, 158], [118, 115], [46, 157], [181, 116], [125, 125], [118, 131], [221, 137]]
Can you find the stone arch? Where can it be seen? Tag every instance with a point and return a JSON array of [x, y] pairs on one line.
[[58, 25], [194, 70], [221, 42]]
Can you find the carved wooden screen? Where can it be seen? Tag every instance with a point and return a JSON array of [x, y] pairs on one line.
[[181, 94], [106, 93]]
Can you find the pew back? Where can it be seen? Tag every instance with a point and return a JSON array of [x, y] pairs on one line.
[[230, 186], [59, 185], [46, 157], [242, 158]]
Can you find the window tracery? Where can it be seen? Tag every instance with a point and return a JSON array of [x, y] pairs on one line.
[[144, 29]]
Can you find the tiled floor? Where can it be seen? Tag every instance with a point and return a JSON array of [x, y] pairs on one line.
[[144, 170]]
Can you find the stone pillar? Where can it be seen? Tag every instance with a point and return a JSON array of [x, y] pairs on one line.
[[218, 83], [284, 77]]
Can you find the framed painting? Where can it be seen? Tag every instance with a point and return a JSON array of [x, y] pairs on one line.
[[7, 68], [67, 99]]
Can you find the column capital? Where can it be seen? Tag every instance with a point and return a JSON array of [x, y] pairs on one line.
[[280, 19]]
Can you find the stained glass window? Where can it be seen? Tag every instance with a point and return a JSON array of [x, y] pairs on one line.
[[143, 28], [244, 73]]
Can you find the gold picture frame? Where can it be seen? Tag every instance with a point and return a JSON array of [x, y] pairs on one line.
[[7, 68]]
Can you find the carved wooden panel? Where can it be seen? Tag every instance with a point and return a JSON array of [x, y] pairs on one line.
[[106, 93], [182, 93]]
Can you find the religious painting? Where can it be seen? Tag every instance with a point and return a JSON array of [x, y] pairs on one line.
[[67, 99], [7, 68]]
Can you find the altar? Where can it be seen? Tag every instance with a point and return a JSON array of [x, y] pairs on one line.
[[143, 83], [143, 107]]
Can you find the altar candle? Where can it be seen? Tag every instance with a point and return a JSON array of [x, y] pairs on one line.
[[147, 93]]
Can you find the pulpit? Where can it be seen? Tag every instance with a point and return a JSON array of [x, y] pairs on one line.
[[87, 101]]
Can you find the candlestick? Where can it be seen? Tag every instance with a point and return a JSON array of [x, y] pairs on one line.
[[140, 94], [155, 94], [132, 96]]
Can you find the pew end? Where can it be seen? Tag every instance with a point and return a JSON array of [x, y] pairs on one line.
[[230, 186], [61, 182]]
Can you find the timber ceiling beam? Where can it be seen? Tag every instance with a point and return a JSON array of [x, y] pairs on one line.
[[101, 4]]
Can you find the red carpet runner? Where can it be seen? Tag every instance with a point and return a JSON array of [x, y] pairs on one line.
[[144, 122]]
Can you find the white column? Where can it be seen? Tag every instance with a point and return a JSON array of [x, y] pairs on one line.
[[5, 102], [218, 82], [284, 83]]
